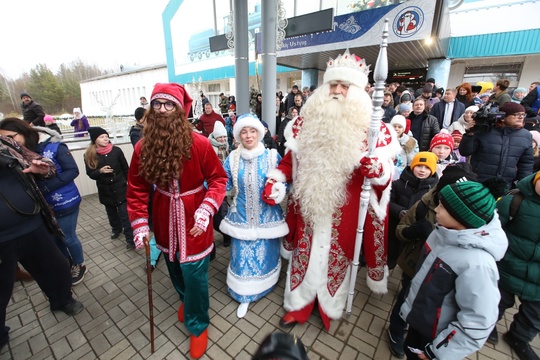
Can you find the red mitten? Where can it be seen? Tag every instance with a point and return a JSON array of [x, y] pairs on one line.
[[202, 218], [371, 167], [267, 192]]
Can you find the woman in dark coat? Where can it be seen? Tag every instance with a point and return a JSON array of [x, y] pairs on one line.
[[107, 164]]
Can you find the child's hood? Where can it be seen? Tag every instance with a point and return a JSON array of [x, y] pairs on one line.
[[490, 238]]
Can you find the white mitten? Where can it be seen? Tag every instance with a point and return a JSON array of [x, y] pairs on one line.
[[202, 218], [139, 234]]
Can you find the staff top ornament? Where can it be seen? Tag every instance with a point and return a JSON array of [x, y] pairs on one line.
[[347, 68]]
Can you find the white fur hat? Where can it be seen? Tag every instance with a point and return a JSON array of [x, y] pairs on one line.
[[248, 120], [219, 129], [399, 120], [77, 110], [348, 68]]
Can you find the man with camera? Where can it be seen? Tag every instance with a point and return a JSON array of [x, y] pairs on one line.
[[499, 146]]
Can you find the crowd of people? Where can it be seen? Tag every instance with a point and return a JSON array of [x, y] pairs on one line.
[[454, 186]]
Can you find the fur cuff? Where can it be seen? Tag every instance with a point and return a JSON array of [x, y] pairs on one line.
[[381, 286], [276, 175], [285, 254]]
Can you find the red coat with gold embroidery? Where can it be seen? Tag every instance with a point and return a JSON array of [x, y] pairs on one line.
[[174, 207], [320, 256]]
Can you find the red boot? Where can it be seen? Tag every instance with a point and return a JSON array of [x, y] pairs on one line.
[[181, 313], [198, 344]]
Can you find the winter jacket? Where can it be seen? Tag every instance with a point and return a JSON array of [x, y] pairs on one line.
[[520, 268], [531, 102], [439, 108], [424, 127], [111, 187], [406, 191], [33, 113], [502, 152], [389, 113], [409, 148], [80, 126], [206, 123], [501, 98], [453, 298], [135, 133], [60, 191], [458, 125], [463, 99]]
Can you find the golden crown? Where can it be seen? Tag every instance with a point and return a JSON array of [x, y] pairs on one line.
[[350, 61]]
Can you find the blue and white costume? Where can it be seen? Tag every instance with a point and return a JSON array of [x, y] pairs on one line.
[[255, 227]]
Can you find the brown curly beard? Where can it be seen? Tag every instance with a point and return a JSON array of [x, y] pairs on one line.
[[167, 141]]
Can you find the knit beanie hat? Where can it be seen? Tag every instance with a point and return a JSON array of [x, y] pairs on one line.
[[248, 120], [536, 137], [399, 120], [426, 158], [536, 177], [95, 132], [520, 89], [457, 136], [219, 130], [428, 88], [430, 80], [456, 173], [472, 108], [442, 138], [48, 119], [405, 107], [24, 93], [469, 202], [173, 92], [511, 108]]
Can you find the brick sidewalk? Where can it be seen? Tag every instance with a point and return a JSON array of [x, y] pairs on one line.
[[114, 324]]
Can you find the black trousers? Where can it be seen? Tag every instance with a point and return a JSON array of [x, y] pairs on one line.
[[40, 256], [119, 220]]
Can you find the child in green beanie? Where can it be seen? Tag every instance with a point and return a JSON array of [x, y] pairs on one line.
[[451, 306]]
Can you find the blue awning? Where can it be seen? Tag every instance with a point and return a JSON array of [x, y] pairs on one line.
[[524, 42]]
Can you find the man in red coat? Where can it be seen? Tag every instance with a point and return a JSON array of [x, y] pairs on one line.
[[179, 162], [326, 162], [208, 119]]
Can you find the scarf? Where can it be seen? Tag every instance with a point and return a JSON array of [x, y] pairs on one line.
[[104, 150]]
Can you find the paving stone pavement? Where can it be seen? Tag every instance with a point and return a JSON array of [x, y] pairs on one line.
[[114, 324]]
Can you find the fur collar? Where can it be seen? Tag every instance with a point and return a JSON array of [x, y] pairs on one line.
[[46, 134], [253, 153]]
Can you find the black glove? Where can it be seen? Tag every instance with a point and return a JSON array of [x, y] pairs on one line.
[[419, 230]]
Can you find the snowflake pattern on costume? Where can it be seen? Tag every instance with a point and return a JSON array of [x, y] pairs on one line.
[[48, 154], [57, 197]]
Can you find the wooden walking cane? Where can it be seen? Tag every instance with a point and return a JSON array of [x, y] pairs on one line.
[[150, 301], [379, 75]]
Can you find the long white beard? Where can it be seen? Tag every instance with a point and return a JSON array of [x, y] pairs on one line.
[[330, 145]]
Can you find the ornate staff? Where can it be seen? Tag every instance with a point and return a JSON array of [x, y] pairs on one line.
[[379, 75], [150, 302]]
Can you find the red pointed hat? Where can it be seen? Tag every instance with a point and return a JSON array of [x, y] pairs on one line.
[[173, 92]]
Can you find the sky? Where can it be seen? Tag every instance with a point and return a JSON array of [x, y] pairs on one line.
[[105, 33]]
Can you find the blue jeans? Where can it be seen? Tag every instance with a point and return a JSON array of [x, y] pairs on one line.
[[68, 224]]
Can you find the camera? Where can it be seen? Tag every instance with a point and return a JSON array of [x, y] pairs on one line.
[[486, 117]]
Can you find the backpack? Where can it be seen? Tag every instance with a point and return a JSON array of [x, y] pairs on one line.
[[517, 198]]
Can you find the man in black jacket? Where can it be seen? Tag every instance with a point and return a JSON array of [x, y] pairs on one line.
[[448, 110], [32, 112], [505, 151]]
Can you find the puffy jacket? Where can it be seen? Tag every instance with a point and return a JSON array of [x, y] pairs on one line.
[[520, 268], [430, 127], [33, 113], [502, 152], [453, 298]]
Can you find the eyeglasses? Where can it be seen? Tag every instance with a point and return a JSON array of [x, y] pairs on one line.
[[12, 136], [520, 115], [169, 105]]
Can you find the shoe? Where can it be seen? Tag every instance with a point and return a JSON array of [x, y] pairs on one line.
[[226, 240], [22, 275], [77, 274], [181, 313], [396, 345], [198, 344], [130, 246], [493, 337], [73, 307], [287, 321], [242, 310], [115, 234], [152, 267], [522, 348]]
